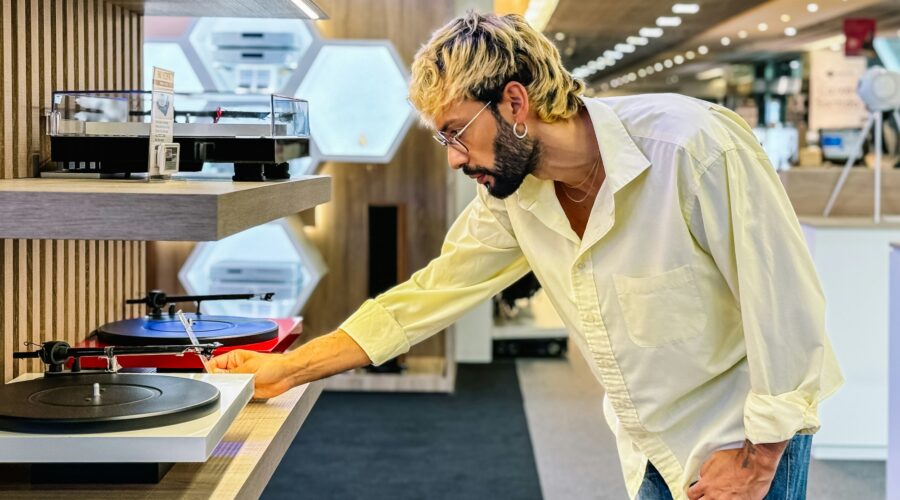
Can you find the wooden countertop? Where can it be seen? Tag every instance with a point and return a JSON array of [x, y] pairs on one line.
[[174, 210], [240, 466]]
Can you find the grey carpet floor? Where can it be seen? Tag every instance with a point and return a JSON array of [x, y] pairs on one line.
[[474, 444]]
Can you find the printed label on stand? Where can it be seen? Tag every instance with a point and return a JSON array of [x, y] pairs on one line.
[[162, 119]]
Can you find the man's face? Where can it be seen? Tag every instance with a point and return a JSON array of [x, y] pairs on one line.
[[489, 140]]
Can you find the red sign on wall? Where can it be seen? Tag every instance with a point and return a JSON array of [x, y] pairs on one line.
[[860, 33]]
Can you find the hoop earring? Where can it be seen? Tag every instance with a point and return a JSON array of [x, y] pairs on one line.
[[524, 132]]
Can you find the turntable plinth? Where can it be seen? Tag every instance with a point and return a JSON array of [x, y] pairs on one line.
[[239, 467]]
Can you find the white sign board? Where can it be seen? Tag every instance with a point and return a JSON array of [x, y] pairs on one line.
[[833, 101], [162, 121]]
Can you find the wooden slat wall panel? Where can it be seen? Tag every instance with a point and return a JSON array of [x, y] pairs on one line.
[[60, 289]]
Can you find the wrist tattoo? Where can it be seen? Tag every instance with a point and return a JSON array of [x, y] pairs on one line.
[[748, 450]]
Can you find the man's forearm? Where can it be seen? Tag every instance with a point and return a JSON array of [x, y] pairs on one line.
[[325, 356]]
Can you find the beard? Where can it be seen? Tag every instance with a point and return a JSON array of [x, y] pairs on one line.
[[514, 159]]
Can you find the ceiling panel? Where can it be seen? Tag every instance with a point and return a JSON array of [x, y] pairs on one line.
[[592, 27]]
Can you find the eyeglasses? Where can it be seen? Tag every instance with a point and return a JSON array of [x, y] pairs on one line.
[[452, 140]]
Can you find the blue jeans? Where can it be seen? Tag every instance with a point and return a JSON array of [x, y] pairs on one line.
[[789, 482]]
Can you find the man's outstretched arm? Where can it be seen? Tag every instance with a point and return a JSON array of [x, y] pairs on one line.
[[322, 357]]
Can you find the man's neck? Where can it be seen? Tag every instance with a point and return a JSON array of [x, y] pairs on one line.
[[569, 150]]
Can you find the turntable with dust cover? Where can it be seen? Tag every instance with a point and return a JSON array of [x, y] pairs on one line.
[[162, 325], [131, 427]]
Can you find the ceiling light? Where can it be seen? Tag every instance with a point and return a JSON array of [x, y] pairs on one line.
[[762, 27], [637, 40], [613, 54], [785, 18], [651, 32], [679, 59], [632, 76], [690, 55], [790, 31], [604, 87], [710, 74], [650, 70], [795, 64], [685, 8], [642, 73], [812, 7], [658, 66], [668, 63], [593, 65], [310, 13], [625, 48], [667, 21], [702, 50], [559, 36], [726, 41], [742, 34]]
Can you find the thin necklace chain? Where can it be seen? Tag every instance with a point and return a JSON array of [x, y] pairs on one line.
[[590, 175]]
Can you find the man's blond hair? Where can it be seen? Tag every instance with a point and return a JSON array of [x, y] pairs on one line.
[[474, 56]]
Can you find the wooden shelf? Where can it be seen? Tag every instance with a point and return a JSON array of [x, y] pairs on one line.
[[220, 8], [240, 466], [175, 210]]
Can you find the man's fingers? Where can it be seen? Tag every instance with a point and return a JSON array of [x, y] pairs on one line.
[[695, 491], [228, 362]]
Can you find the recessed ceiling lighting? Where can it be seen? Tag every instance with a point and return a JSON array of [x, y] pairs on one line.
[[593, 65], [679, 59], [795, 64], [785, 18], [685, 8], [726, 41], [650, 70], [742, 34], [559, 36], [702, 50], [625, 48], [604, 87], [651, 32], [690, 55], [762, 27], [642, 73], [668, 63], [637, 40], [812, 7], [790, 31], [612, 54], [658, 66], [666, 21], [632, 76]]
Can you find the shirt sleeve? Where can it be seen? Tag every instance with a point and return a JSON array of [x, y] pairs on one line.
[[743, 218], [479, 258]]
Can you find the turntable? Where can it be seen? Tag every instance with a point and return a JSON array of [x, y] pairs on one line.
[[107, 134], [135, 424], [161, 325]]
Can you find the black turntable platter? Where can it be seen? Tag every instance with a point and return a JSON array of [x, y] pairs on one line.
[[227, 330], [71, 403]]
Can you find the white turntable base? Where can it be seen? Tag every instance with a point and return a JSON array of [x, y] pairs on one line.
[[191, 441]]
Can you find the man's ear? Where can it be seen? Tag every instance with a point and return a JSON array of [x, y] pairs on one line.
[[516, 97]]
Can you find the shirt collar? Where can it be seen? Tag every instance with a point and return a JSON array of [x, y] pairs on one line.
[[623, 161]]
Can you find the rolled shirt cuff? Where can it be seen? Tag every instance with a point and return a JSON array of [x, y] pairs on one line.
[[773, 419], [377, 332]]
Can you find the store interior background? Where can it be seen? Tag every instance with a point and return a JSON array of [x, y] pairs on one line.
[[496, 405]]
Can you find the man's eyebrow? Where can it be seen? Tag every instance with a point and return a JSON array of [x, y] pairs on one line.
[[448, 123]]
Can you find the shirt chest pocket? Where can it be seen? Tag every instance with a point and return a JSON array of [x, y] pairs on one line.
[[661, 309]]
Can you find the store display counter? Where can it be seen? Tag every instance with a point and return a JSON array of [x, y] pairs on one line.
[[851, 258], [240, 466]]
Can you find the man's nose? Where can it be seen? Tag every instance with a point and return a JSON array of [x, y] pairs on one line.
[[456, 158]]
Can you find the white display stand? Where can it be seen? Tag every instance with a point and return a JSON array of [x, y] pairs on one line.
[[192, 441], [851, 258], [893, 459]]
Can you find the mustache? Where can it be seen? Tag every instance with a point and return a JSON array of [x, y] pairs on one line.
[[476, 170]]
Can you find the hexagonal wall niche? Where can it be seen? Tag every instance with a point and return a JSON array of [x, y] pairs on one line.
[[252, 55], [357, 99], [169, 55], [274, 257]]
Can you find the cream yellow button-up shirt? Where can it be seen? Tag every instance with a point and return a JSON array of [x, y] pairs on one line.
[[692, 293]]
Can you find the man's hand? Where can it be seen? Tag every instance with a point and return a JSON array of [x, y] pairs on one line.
[[745, 473], [273, 371]]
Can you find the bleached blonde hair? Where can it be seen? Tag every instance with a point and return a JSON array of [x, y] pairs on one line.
[[475, 55]]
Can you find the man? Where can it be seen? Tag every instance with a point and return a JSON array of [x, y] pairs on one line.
[[661, 234]]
